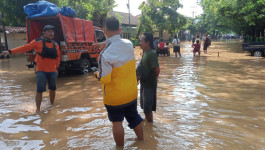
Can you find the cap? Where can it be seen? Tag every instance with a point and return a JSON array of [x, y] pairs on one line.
[[47, 27]]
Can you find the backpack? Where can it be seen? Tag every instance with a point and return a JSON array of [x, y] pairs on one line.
[[48, 52]]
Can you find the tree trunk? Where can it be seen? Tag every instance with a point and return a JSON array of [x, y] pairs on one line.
[[161, 34], [96, 19], [4, 30], [138, 32], [103, 20]]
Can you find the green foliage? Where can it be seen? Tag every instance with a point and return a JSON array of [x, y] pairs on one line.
[[95, 10], [240, 16], [160, 15], [13, 11]]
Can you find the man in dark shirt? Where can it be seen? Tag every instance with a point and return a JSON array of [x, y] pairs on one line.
[[206, 43], [152, 70]]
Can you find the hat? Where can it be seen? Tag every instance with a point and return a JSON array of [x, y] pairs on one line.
[[47, 27]]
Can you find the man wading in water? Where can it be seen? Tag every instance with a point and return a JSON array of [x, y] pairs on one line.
[[151, 69], [206, 43], [47, 59], [117, 74]]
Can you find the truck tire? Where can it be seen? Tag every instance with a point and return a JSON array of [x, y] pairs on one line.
[[258, 53], [84, 66]]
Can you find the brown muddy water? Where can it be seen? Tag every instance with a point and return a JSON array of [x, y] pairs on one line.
[[203, 103]]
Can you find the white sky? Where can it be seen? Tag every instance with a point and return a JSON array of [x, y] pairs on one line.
[[188, 7]]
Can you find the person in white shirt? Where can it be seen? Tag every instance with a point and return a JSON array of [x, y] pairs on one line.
[[176, 44], [198, 38]]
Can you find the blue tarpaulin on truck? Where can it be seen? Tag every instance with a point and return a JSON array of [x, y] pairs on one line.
[[41, 9], [67, 11], [46, 9]]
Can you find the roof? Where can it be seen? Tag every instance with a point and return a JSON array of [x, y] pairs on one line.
[[11, 29], [125, 18]]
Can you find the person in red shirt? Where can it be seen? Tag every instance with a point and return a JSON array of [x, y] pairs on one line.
[[162, 45], [47, 59], [197, 47]]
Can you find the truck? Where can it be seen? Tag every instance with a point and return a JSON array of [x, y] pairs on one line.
[[256, 49], [75, 38]]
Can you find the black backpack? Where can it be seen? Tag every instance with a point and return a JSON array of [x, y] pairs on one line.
[[48, 52]]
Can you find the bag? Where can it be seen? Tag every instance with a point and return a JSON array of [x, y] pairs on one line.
[[67, 11], [41, 9], [140, 72]]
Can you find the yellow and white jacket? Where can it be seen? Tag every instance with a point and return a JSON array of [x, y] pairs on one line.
[[117, 72]]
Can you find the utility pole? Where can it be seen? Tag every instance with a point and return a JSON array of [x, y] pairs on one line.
[[0, 34], [128, 5], [4, 30], [193, 12]]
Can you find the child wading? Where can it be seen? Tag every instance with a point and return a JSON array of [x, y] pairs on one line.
[[197, 48]]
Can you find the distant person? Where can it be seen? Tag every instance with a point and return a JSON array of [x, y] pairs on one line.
[[193, 39], [198, 38], [151, 70], [167, 49], [176, 45], [167, 45], [206, 43], [161, 45], [197, 48], [155, 43], [117, 74], [47, 59]]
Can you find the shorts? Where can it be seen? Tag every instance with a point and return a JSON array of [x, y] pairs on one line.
[[42, 77], [117, 114], [148, 99], [196, 50], [205, 47], [176, 49]]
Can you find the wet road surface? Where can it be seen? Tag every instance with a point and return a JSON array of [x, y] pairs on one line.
[[205, 102]]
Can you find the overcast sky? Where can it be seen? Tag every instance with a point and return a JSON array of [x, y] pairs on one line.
[[189, 6]]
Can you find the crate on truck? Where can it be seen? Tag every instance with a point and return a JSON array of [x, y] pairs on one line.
[[256, 49], [75, 38]]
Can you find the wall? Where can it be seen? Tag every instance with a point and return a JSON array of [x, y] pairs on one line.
[[166, 36], [127, 30], [14, 39]]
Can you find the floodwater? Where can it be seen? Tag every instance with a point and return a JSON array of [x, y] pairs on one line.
[[209, 102]]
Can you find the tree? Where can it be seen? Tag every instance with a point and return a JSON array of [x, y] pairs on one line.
[[241, 16], [95, 10], [158, 16], [13, 12]]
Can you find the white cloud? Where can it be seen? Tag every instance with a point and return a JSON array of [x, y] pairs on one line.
[[122, 6], [190, 8]]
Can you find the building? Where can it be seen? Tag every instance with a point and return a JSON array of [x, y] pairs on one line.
[[16, 36], [129, 30]]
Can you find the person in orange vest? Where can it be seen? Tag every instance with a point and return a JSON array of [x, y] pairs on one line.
[[47, 60]]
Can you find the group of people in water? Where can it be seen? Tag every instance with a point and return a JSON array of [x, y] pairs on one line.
[[196, 45], [117, 72]]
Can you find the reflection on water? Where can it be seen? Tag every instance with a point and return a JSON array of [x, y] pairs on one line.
[[206, 102]]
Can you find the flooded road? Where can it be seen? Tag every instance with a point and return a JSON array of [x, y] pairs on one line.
[[206, 102]]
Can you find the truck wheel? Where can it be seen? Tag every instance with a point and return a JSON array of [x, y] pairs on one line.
[[84, 65], [257, 53]]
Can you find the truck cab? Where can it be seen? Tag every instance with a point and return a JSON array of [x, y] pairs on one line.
[[256, 49]]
